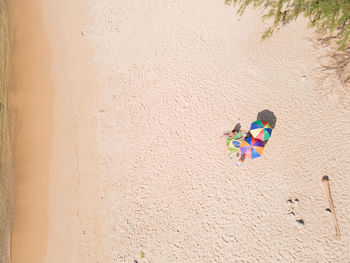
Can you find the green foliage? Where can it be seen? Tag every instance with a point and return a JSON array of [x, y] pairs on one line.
[[330, 17]]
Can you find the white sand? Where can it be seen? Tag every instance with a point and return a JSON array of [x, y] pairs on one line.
[[143, 90]]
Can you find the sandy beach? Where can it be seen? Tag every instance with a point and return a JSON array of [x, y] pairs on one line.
[[119, 111]]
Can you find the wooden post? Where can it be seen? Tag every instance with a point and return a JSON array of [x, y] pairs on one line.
[[325, 181]]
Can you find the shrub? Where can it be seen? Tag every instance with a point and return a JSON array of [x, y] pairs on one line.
[[330, 17]]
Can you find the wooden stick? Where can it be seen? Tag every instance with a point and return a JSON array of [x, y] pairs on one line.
[[325, 181]]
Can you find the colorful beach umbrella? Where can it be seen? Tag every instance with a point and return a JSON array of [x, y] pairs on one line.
[[252, 148], [260, 130]]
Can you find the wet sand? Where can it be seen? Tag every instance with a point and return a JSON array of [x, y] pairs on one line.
[[31, 100], [52, 98]]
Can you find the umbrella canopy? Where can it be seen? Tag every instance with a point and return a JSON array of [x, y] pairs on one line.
[[260, 130], [252, 148]]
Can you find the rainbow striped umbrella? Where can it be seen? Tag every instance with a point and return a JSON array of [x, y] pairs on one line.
[[260, 130], [252, 148]]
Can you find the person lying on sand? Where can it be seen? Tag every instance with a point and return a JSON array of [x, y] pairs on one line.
[[234, 134], [233, 141]]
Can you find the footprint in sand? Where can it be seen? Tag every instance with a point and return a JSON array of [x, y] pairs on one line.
[[300, 223], [292, 204]]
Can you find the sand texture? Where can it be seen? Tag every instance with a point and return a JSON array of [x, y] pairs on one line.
[[142, 92]]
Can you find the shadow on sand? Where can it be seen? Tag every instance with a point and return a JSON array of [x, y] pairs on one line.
[[268, 116]]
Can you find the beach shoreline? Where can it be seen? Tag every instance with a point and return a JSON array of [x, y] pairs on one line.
[[31, 100], [53, 102]]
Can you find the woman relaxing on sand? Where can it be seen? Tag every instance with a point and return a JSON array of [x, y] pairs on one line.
[[233, 141], [234, 134]]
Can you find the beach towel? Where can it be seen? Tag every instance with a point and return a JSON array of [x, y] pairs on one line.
[[234, 143]]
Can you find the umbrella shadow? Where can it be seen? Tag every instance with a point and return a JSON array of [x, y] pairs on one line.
[[270, 117], [237, 127]]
